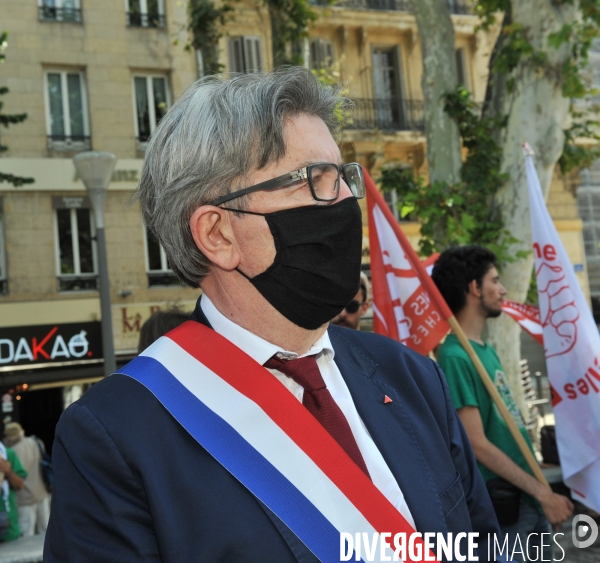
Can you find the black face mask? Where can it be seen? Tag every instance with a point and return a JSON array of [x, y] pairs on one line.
[[316, 269]]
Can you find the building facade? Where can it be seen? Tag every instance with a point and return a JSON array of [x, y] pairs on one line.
[[98, 75]]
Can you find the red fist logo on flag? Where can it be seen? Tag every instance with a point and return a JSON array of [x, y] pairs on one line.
[[558, 309]]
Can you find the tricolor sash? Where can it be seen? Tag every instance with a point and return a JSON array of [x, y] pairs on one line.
[[257, 430]]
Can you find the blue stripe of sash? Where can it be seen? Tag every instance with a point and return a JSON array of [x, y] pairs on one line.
[[236, 455]]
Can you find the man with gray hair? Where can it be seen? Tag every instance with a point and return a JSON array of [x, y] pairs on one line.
[[253, 432]]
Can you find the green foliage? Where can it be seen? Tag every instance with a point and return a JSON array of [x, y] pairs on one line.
[[330, 75], [576, 156], [461, 213], [205, 25], [487, 10], [532, 290], [516, 50], [289, 26], [9, 119]]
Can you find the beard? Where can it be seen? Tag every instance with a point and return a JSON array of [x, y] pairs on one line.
[[490, 312]]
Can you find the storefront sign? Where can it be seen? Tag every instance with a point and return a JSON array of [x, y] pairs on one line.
[[47, 344], [70, 202], [128, 320]]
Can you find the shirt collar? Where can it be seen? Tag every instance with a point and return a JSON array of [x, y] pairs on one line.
[[256, 347]]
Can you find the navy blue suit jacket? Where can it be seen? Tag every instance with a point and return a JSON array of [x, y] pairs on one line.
[[132, 485]]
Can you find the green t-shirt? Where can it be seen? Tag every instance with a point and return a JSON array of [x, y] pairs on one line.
[[467, 390], [13, 531]]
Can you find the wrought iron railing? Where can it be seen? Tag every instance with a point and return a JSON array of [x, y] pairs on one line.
[[461, 7], [456, 6], [52, 14], [150, 19], [78, 283], [163, 279], [387, 114], [69, 143]]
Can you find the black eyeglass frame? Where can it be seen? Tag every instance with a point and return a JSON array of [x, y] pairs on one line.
[[295, 176]]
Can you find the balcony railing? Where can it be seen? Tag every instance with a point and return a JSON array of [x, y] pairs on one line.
[[151, 19], [82, 282], [52, 14], [390, 114], [71, 143], [456, 6], [461, 7]]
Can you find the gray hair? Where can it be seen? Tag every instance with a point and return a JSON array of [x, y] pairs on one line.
[[211, 140]]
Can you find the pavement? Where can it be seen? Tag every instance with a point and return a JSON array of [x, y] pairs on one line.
[[23, 550]]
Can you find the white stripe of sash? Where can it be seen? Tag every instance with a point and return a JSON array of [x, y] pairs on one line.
[[264, 435]]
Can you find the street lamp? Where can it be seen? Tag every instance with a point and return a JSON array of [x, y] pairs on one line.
[[95, 169]]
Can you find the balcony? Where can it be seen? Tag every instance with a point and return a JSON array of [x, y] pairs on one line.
[[462, 7], [52, 14], [391, 114], [69, 143], [151, 19]]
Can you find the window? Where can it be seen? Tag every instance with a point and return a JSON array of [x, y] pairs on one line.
[[146, 13], [321, 53], [3, 277], [461, 68], [76, 261], [389, 106], [151, 103], [588, 201], [391, 198], [59, 11], [157, 266], [66, 112], [245, 54]]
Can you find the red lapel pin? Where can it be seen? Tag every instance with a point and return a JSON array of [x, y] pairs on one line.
[[386, 400]]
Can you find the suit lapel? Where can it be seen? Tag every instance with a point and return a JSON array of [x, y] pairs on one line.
[[390, 428]]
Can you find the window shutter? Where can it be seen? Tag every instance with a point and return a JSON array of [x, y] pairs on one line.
[[236, 54], [252, 54], [461, 68]]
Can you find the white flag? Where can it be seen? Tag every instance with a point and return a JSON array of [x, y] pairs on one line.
[[572, 347]]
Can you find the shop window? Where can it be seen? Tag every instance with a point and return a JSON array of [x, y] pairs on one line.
[[157, 265], [146, 13], [76, 261], [3, 277], [59, 11], [152, 100], [245, 54], [66, 112], [321, 53]]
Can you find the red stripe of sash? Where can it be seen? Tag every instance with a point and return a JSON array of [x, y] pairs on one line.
[[254, 381]]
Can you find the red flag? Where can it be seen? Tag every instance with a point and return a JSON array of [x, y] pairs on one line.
[[407, 305], [527, 316]]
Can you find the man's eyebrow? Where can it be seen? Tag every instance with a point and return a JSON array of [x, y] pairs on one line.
[[311, 162]]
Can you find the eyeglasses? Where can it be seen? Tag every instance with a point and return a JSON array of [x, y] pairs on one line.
[[352, 307], [323, 180]]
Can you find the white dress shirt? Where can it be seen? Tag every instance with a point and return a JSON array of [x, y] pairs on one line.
[[260, 350]]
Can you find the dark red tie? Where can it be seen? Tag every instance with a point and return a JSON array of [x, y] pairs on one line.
[[319, 402]]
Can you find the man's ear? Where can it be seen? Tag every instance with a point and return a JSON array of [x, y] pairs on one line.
[[213, 234], [474, 288]]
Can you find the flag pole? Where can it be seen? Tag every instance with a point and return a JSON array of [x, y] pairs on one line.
[[435, 294]]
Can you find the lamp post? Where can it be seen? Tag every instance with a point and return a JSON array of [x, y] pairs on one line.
[[95, 170]]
